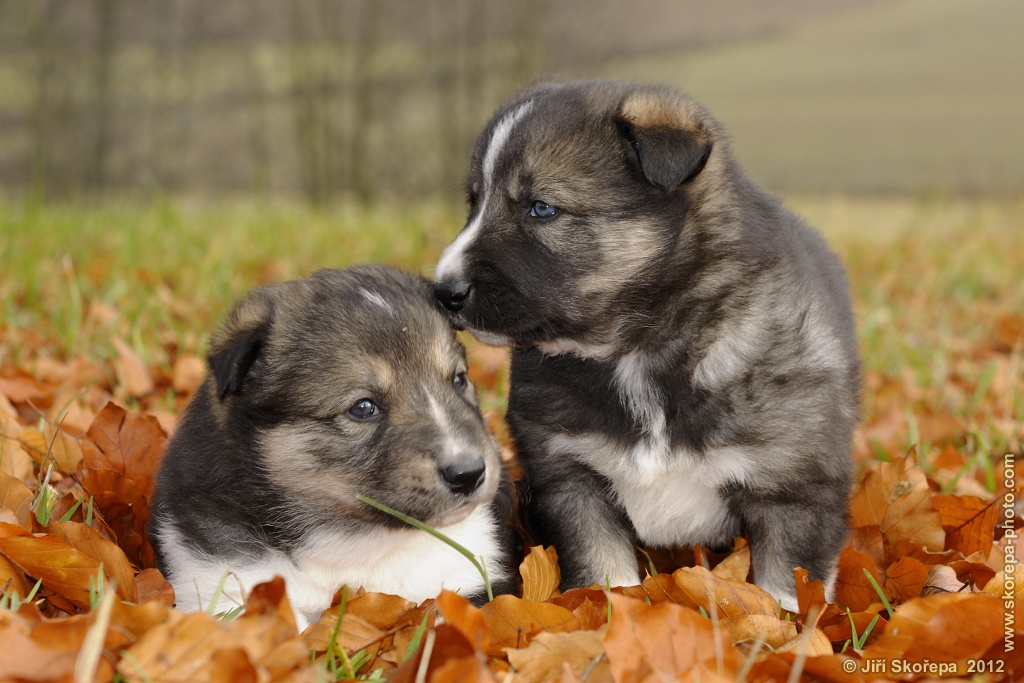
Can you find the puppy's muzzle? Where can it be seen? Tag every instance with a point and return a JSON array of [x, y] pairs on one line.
[[453, 294], [464, 478]]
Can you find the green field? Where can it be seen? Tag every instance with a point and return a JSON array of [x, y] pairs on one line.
[[895, 97], [936, 284]]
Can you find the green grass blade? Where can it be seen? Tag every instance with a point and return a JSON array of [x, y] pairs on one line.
[[465, 552]]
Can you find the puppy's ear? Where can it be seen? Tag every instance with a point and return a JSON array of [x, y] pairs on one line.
[[666, 132], [239, 344]]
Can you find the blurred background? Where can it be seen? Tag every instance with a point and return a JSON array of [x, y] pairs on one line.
[[369, 100], [159, 158]]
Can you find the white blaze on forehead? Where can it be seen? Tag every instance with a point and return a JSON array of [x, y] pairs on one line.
[[450, 263], [378, 300]]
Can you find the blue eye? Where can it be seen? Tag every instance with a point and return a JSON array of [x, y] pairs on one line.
[[460, 381], [363, 409], [542, 210]]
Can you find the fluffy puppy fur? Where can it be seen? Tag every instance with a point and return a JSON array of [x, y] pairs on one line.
[[684, 366], [344, 383]]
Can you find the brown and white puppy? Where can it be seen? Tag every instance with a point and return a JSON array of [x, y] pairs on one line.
[[347, 382], [684, 365]]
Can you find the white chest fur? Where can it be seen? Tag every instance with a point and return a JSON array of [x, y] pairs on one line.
[[672, 496], [405, 562]]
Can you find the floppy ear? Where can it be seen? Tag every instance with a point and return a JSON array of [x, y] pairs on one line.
[[667, 134], [239, 344]]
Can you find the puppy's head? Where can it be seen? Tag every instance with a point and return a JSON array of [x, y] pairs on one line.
[[353, 382], [576, 192]]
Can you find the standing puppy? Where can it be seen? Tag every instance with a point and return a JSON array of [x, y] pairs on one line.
[[344, 383], [684, 366]]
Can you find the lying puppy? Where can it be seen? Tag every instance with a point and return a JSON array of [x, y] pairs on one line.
[[344, 383], [684, 366]]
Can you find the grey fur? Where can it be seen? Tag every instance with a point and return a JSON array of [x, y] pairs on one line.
[[267, 458], [684, 362]]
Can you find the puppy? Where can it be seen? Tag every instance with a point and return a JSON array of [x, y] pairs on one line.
[[344, 383], [684, 367]]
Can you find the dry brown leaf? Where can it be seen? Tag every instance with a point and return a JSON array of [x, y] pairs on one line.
[[826, 669], [737, 565], [811, 643], [969, 522], [649, 643], [125, 511], [589, 615], [16, 497], [905, 578], [62, 568], [548, 654], [152, 587], [185, 647], [126, 443], [188, 374], [464, 617], [512, 622], [540, 572], [942, 579], [63, 449], [853, 589], [810, 597], [135, 378], [952, 627], [751, 627], [12, 579], [21, 387], [463, 670], [975, 574], [445, 643], [731, 598], [116, 567], [14, 460], [28, 654], [839, 630], [895, 497]]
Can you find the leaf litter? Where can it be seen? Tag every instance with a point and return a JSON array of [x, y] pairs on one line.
[[928, 541]]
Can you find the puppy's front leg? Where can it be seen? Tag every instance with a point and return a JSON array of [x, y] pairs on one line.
[[570, 507], [786, 535]]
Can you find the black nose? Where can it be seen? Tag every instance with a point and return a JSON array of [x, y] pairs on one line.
[[453, 294], [464, 477]]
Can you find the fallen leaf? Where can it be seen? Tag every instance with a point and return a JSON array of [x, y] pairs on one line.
[[895, 497], [116, 567], [853, 589], [952, 627], [135, 378], [649, 643], [811, 643], [152, 587], [126, 443], [810, 597], [124, 509], [840, 630], [540, 572], [724, 597], [62, 568], [184, 647], [512, 622], [464, 617], [16, 497], [774, 632], [969, 522], [64, 450], [905, 578], [548, 654], [188, 374], [737, 565]]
